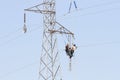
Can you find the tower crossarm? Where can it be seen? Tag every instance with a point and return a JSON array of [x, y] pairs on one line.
[[39, 8], [61, 30]]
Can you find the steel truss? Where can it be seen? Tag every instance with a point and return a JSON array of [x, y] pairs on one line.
[[49, 60]]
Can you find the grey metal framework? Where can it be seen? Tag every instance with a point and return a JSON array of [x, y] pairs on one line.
[[49, 60]]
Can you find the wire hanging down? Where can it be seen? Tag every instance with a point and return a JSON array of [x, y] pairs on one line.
[[70, 65]]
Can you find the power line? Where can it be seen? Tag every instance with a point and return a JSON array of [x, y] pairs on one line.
[[16, 70], [10, 40], [94, 6], [33, 63], [98, 12], [16, 37], [10, 34], [100, 44], [81, 9], [26, 66]]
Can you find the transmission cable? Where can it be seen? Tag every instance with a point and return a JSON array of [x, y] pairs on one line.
[[16, 37], [94, 6], [26, 66], [10, 34], [18, 69]]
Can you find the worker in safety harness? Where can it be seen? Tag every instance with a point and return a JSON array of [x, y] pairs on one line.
[[70, 50]]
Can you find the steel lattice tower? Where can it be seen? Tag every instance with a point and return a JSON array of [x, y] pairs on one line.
[[49, 60]]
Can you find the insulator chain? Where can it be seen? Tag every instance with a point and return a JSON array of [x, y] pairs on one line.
[[24, 27]]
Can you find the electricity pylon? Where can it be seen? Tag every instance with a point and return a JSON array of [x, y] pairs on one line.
[[49, 61]]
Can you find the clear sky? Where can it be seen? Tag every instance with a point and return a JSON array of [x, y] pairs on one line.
[[96, 26]]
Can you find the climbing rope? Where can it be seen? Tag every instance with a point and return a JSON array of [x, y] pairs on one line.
[[70, 65]]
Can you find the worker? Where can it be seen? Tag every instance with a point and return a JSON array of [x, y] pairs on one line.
[[70, 50], [73, 48], [67, 49]]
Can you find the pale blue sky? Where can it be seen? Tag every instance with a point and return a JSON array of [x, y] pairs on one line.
[[96, 26]]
